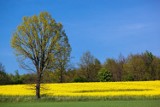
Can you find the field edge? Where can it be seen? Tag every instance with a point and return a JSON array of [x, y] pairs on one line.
[[64, 98]]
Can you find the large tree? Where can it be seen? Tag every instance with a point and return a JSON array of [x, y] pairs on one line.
[[37, 43]]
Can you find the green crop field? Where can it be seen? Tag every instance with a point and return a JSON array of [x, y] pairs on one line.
[[116, 103]]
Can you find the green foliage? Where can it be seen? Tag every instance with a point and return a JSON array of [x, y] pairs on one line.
[[70, 75], [62, 58], [4, 78], [49, 77], [40, 43], [104, 75], [39, 39], [16, 78], [113, 66], [141, 67], [89, 67], [80, 79], [28, 78]]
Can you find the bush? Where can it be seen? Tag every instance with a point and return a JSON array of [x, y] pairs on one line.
[[80, 79], [104, 75], [4, 78]]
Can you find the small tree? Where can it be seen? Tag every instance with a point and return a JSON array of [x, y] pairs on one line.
[[2, 67], [4, 78], [37, 42], [89, 67], [62, 59], [104, 75]]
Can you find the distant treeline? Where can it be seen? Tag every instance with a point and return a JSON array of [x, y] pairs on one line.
[[137, 67]]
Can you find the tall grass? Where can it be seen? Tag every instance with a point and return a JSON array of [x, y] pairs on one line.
[[64, 98]]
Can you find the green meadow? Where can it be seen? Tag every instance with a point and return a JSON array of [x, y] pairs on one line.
[[115, 103]]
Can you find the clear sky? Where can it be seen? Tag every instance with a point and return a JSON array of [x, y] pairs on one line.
[[106, 28]]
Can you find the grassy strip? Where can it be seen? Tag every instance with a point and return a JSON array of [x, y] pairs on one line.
[[118, 103], [64, 98]]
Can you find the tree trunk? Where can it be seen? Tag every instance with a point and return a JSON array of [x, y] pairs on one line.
[[61, 76], [38, 87]]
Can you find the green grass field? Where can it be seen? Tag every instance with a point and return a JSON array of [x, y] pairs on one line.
[[116, 103]]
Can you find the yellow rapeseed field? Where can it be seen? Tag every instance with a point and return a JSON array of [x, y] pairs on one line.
[[99, 89]]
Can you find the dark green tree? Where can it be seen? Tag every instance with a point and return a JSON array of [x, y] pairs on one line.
[[16, 78], [148, 58], [4, 78], [104, 75]]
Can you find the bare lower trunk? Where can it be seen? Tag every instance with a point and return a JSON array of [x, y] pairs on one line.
[[38, 87]]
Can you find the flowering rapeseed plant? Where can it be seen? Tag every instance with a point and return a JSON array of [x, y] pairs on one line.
[[99, 89]]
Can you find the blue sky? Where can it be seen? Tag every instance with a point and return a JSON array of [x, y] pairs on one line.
[[106, 28]]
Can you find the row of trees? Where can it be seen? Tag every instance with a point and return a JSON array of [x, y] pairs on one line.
[[136, 67], [143, 66]]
